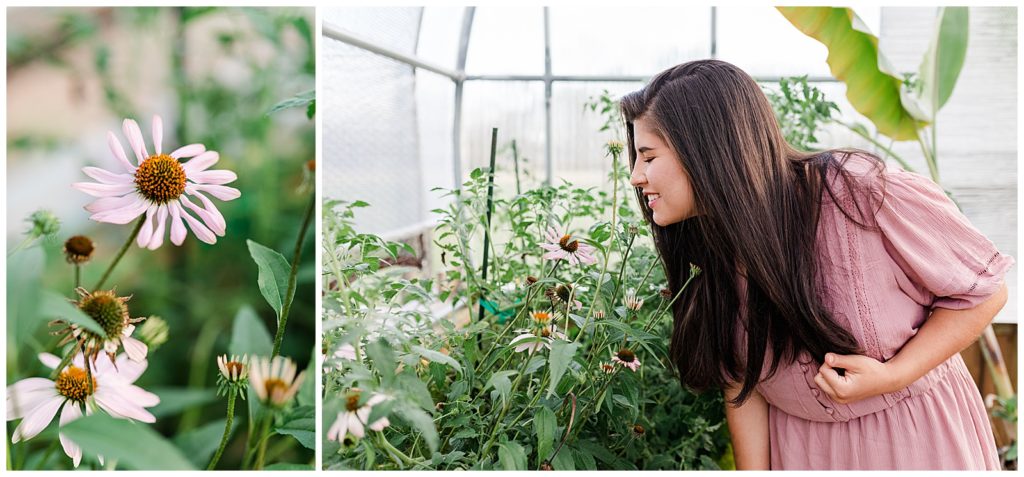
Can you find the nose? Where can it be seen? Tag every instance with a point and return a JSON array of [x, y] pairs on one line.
[[637, 177]]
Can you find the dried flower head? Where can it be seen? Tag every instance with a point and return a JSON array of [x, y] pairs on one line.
[[665, 294], [110, 312], [638, 430], [78, 249]]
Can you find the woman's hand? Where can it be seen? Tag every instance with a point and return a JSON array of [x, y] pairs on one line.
[[864, 377]]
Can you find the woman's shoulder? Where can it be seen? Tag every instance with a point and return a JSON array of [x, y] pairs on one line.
[[854, 175]]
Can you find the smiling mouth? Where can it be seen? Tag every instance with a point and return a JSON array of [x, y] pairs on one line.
[[651, 199]]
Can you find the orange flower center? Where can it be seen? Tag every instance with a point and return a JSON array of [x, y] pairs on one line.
[[352, 401], [541, 317], [73, 383], [160, 178]]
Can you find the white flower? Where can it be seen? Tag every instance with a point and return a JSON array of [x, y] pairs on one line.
[[534, 341], [353, 420], [36, 400], [274, 380], [158, 187], [564, 247], [233, 369], [632, 302]]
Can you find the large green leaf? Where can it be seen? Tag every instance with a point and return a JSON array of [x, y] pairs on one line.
[[199, 444], [944, 59], [544, 426], [872, 85], [300, 424], [562, 353], [54, 305], [176, 400], [273, 277], [23, 288], [511, 456], [131, 444]]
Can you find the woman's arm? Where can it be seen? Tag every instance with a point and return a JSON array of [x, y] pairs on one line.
[[748, 425], [943, 334]]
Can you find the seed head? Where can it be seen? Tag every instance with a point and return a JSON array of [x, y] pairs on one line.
[[78, 249]]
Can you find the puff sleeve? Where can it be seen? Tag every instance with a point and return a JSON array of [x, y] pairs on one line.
[[935, 245]]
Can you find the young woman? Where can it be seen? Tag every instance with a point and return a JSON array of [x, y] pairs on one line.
[[836, 293]]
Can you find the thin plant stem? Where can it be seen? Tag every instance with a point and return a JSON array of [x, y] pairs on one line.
[[289, 295], [78, 276], [264, 437], [227, 429], [124, 248]]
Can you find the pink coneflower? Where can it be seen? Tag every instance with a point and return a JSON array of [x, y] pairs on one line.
[[565, 247], [274, 380], [353, 419], [627, 359], [36, 400], [607, 368], [632, 302], [158, 187]]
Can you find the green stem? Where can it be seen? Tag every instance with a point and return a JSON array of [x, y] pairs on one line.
[[505, 407], [63, 364], [78, 276], [124, 248], [290, 294], [262, 445], [872, 140], [227, 429]]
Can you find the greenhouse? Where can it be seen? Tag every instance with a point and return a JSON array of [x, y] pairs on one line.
[[494, 298]]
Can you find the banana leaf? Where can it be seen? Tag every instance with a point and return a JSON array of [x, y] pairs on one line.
[[872, 85]]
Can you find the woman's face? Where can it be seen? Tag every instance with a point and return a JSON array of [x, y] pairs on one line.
[[659, 173]]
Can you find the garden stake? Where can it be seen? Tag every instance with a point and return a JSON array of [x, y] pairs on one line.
[[490, 208], [515, 161]]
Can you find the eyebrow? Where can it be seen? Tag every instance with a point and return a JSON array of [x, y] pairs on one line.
[[644, 149]]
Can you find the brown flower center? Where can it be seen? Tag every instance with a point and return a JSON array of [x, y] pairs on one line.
[[626, 356], [160, 178], [234, 368], [638, 430], [352, 401], [78, 248], [73, 383], [273, 386], [568, 244]]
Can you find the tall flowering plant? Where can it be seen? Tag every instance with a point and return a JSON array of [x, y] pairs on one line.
[[566, 369]]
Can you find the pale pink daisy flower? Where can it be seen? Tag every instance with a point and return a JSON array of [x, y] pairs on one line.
[[274, 380], [36, 400], [158, 187], [536, 340], [353, 419], [627, 359], [564, 247]]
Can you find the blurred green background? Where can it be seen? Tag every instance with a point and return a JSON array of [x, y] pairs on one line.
[[213, 74]]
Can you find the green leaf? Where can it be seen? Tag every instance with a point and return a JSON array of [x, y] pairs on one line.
[[133, 445], [288, 466], [501, 383], [273, 277], [943, 60], [300, 424], [437, 356], [544, 426], [307, 391], [872, 84], [561, 355], [422, 422], [24, 270], [298, 101], [175, 400], [563, 460], [199, 444], [55, 305], [249, 336], [511, 456]]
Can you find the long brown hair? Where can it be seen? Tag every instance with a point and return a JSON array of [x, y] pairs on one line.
[[758, 200]]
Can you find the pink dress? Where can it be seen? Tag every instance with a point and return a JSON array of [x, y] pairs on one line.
[[881, 286]]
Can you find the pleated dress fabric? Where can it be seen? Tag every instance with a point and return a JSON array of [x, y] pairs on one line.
[[881, 283]]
